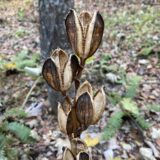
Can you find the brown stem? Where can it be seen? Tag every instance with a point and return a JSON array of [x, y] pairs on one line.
[[82, 62], [76, 79], [76, 83], [64, 93], [68, 99], [140, 131], [30, 91]]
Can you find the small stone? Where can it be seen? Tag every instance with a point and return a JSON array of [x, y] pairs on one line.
[[111, 77], [155, 133], [143, 61], [108, 154], [49, 153], [126, 146], [113, 144], [146, 154], [35, 135], [155, 93], [35, 109], [158, 142], [44, 158], [154, 149], [124, 155], [105, 44], [32, 123]]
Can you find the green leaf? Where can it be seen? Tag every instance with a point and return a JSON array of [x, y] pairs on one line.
[[15, 112], [33, 71], [132, 86], [22, 59], [146, 51], [21, 131], [90, 60], [142, 122], [153, 107], [20, 33], [114, 98], [2, 141], [106, 57], [12, 153], [2, 155], [114, 123], [129, 106]]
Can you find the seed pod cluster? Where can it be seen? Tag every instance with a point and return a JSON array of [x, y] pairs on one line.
[[78, 151], [60, 70], [85, 110]]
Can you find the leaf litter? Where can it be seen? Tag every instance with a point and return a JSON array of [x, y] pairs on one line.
[[129, 47]]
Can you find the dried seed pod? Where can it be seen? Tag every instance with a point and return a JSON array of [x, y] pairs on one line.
[[57, 70], [66, 105], [84, 87], [87, 106], [73, 126], [76, 67], [78, 145], [99, 105], [50, 74], [68, 155], [84, 110], [84, 32], [83, 156], [62, 118]]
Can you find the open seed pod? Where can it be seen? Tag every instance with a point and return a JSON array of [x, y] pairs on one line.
[[68, 122], [62, 118], [84, 104], [85, 32], [57, 70], [78, 145], [83, 156], [73, 126], [68, 155], [66, 105], [84, 110], [99, 101], [84, 87], [76, 67], [89, 108]]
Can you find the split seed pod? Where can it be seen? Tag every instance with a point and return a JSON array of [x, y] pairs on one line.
[[62, 118], [68, 155], [68, 122], [57, 70], [89, 108], [78, 145], [84, 110], [83, 156], [85, 32]]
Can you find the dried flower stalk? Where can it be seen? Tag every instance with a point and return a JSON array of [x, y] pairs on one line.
[[60, 70]]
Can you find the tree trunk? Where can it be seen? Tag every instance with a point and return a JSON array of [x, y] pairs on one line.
[[53, 34]]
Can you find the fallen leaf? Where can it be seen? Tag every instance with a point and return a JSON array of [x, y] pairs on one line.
[[10, 65], [91, 141]]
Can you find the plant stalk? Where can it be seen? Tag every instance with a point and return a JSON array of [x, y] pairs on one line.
[[30, 91]]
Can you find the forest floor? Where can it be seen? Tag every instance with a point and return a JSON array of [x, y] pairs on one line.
[[127, 64]]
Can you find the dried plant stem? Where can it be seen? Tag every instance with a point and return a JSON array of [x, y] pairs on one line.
[[140, 131], [30, 91], [76, 80]]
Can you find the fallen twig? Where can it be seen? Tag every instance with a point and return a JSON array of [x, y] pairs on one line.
[[30, 91]]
